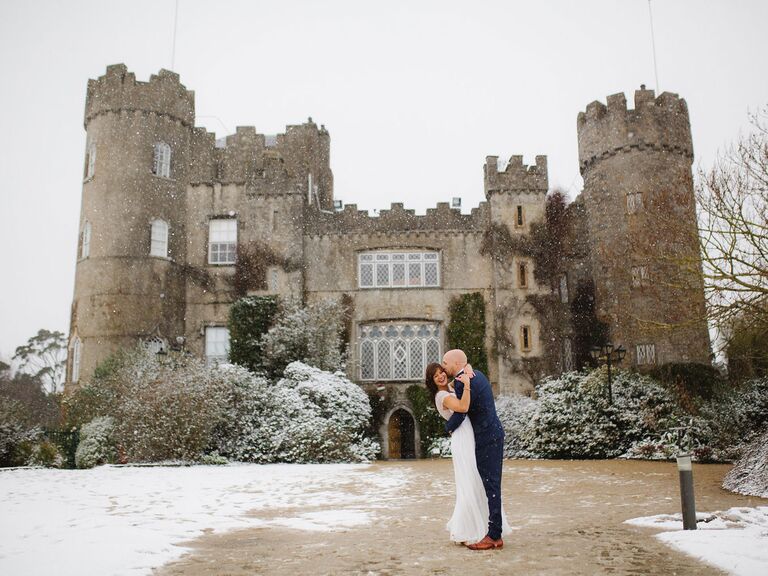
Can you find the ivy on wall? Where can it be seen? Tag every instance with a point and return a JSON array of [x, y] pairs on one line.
[[430, 423], [251, 267], [588, 331], [466, 328], [249, 320]]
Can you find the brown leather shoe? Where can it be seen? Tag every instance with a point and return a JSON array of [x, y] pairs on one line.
[[487, 544]]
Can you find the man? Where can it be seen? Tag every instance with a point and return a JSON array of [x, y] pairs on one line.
[[489, 441]]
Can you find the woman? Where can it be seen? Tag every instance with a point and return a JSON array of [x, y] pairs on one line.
[[469, 522]]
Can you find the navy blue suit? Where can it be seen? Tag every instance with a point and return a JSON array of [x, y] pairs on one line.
[[489, 443]]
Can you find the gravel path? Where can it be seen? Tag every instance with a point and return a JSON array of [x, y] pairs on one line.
[[569, 517]]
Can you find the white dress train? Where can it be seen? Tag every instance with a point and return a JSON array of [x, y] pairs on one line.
[[469, 522]]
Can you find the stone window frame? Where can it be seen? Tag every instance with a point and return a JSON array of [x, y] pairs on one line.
[[159, 232], [382, 266], [645, 354], [225, 253], [90, 161], [216, 349], [77, 352], [161, 160], [563, 288], [640, 277], [635, 202], [567, 355], [85, 240], [526, 338], [401, 343], [519, 217], [522, 274]]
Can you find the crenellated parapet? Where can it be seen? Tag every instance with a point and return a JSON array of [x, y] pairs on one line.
[[398, 219], [655, 123], [118, 90], [515, 176]]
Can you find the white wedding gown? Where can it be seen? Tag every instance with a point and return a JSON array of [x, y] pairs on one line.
[[469, 522]]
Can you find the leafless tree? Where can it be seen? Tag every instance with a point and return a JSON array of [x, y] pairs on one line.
[[732, 201]]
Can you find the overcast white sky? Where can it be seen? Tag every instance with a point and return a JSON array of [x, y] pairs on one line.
[[414, 93]]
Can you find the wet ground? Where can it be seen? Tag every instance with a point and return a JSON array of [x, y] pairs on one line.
[[569, 517]]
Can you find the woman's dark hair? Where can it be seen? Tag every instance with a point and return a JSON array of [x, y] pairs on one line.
[[429, 378]]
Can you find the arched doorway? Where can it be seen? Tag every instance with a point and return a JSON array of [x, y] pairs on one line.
[[402, 438]]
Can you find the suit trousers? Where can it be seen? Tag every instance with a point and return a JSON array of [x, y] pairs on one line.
[[489, 455]]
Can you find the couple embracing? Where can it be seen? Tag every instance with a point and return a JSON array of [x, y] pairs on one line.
[[477, 447]]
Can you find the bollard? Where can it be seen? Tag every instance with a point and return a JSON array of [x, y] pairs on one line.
[[687, 500]]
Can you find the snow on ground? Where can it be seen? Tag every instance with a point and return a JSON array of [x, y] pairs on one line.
[[127, 520], [735, 540]]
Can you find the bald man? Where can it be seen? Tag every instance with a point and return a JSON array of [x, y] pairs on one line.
[[489, 441]]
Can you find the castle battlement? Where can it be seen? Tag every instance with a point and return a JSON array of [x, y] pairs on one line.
[[398, 219], [118, 90], [654, 123], [515, 176]]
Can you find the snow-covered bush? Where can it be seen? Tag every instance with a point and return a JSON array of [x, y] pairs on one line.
[[97, 443], [47, 454], [730, 422], [440, 447], [750, 474], [307, 416], [164, 408], [573, 419], [514, 413], [17, 437], [310, 334]]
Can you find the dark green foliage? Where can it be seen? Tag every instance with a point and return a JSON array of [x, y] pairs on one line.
[[430, 423], [588, 331], [381, 403], [249, 320], [466, 328], [690, 383], [747, 352], [548, 239]]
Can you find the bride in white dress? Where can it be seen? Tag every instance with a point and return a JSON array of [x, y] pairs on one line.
[[469, 522]]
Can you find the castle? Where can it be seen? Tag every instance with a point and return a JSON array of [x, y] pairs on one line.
[[167, 211]]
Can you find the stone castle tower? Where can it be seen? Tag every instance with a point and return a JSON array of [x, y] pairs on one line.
[[641, 226], [172, 217]]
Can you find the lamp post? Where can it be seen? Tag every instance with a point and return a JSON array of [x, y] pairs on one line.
[[610, 355]]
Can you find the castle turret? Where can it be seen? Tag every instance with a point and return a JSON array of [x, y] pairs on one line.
[[641, 221], [132, 242], [516, 194]]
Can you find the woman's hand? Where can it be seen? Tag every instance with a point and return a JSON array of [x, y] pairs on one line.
[[468, 370], [464, 379]]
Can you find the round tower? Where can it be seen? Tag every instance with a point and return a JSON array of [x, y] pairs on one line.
[[131, 249], [641, 222]]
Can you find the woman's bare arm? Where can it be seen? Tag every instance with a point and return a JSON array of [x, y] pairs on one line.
[[453, 403]]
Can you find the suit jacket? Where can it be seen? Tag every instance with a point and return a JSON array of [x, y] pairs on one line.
[[482, 409]]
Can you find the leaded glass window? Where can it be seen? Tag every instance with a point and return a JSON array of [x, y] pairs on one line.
[[398, 269], [646, 353], [398, 351]]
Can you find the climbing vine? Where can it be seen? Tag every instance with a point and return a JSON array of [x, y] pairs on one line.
[[249, 320], [251, 267], [466, 328], [430, 423]]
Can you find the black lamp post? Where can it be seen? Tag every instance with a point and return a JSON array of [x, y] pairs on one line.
[[610, 355]]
